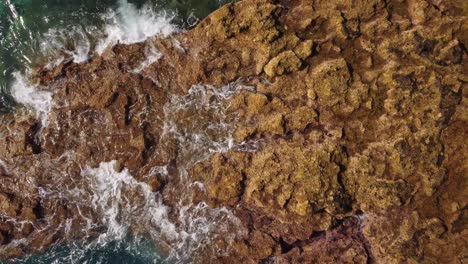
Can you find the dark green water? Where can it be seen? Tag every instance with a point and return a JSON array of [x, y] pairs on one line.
[[34, 32], [128, 251], [23, 24]]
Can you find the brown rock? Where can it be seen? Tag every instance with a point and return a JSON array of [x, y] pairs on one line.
[[283, 63], [304, 49], [353, 135]]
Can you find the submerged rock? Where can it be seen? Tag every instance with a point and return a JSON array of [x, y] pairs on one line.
[[356, 127]]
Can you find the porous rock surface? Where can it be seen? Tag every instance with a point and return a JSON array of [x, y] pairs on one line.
[[359, 115]]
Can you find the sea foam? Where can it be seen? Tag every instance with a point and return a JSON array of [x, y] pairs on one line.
[[31, 96], [109, 198], [130, 25], [55, 41], [118, 199], [127, 25]]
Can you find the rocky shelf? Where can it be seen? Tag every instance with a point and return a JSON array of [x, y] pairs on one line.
[[310, 131]]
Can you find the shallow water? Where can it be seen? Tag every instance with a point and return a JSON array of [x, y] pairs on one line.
[[46, 32]]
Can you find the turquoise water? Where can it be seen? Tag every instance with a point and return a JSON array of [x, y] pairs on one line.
[[35, 32]]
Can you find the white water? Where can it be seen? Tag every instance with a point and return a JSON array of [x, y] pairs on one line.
[[152, 55], [119, 201], [198, 140], [112, 205], [197, 225], [122, 201], [54, 44], [131, 25], [40, 101], [110, 200], [113, 198], [126, 25]]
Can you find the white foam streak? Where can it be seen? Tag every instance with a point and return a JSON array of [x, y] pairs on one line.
[[31, 96], [108, 188], [152, 55], [197, 139], [126, 25], [12, 9], [123, 202], [73, 42], [131, 25], [110, 200]]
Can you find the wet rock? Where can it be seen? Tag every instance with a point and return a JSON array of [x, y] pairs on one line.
[[350, 145]]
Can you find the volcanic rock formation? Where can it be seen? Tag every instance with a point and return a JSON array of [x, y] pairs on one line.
[[355, 113]]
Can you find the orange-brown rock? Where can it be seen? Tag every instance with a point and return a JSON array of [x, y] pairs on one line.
[[358, 119]]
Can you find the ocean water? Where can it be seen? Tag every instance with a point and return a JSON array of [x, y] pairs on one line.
[[38, 32], [32, 32], [128, 251]]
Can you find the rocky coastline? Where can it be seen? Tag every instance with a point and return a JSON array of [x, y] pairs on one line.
[[347, 134]]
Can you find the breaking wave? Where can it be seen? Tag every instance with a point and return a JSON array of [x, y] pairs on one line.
[[114, 211], [36, 99], [130, 25], [126, 25]]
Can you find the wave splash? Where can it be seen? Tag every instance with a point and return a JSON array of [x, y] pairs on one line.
[[126, 25], [111, 206], [131, 25], [32, 96]]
